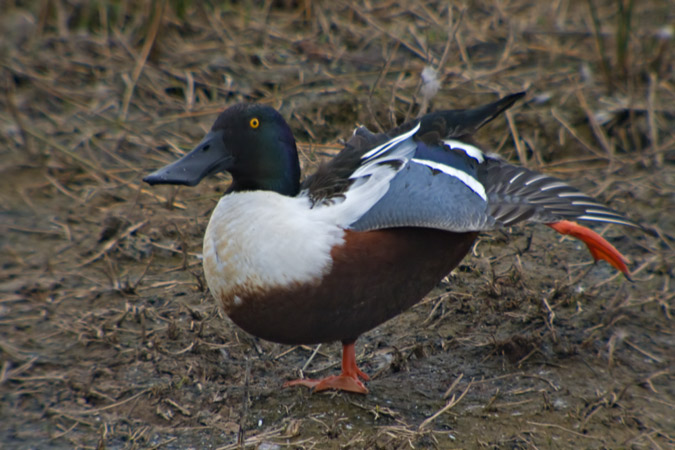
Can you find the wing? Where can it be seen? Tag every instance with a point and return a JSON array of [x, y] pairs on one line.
[[366, 185], [516, 194], [335, 177], [425, 173], [436, 188], [454, 186]]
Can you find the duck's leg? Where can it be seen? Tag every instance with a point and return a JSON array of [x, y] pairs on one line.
[[597, 245], [348, 380]]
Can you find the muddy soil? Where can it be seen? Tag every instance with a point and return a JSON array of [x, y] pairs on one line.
[[109, 337]]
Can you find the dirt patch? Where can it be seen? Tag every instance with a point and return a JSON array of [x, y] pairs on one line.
[[108, 336]]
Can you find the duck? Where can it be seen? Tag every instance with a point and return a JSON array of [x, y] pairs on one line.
[[371, 232]]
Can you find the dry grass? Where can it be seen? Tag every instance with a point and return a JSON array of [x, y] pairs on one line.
[[108, 336]]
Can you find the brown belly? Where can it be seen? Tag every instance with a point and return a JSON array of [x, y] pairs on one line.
[[376, 275]]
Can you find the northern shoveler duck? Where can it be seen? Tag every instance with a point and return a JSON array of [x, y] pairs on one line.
[[371, 232]]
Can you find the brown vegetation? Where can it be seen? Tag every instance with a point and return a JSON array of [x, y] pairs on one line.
[[108, 336]]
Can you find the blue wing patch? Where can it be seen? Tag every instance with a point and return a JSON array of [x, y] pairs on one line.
[[436, 189]]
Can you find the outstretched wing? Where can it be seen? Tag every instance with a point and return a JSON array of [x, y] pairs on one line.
[[425, 174], [516, 194], [454, 186], [334, 178]]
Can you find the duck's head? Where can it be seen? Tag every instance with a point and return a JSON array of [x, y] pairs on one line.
[[252, 142]]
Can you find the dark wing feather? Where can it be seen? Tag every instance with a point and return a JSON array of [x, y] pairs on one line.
[[332, 178], [458, 123], [516, 194]]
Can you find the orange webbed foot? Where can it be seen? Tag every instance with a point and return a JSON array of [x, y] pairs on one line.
[[340, 382], [597, 245], [347, 381]]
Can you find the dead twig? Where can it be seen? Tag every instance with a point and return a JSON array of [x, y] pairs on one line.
[[452, 403]]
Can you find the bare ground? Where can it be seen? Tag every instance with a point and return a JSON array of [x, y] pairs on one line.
[[108, 336]]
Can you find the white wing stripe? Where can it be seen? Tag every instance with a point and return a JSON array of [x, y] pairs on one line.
[[584, 203], [535, 179], [606, 219], [470, 150], [377, 151], [518, 175], [571, 194], [464, 177], [552, 186]]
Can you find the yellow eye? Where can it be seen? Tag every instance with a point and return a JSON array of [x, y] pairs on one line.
[[254, 123]]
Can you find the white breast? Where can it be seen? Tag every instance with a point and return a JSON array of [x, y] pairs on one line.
[[261, 240]]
